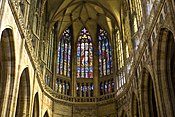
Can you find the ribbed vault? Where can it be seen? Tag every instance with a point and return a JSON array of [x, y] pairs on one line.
[[89, 13]]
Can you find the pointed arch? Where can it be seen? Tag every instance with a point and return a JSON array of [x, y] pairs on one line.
[[23, 101], [165, 71], [148, 99], [35, 112], [84, 55], [104, 53], [7, 70], [64, 53]]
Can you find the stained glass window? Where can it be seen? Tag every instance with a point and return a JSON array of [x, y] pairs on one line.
[[104, 53], [119, 48], [84, 55], [64, 54], [136, 12]]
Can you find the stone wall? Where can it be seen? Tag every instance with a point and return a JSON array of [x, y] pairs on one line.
[[107, 110], [84, 111], [62, 110]]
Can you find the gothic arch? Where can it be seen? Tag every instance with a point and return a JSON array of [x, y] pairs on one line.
[[148, 100], [80, 30], [165, 71], [23, 101], [134, 106], [35, 112], [7, 70]]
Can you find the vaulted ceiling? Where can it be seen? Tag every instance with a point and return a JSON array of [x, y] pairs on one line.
[[89, 13]]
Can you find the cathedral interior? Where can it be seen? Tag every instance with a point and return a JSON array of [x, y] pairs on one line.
[[87, 58]]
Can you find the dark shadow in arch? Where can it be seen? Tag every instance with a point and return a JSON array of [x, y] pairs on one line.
[[170, 62], [23, 101], [166, 71], [7, 70], [46, 114], [148, 100], [35, 112]]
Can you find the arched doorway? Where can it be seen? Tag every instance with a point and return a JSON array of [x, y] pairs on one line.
[[166, 72], [134, 106], [148, 100], [36, 106], [23, 101], [7, 71]]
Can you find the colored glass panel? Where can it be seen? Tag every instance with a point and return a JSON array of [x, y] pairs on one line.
[[84, 55], [64, 54], [105, 53]]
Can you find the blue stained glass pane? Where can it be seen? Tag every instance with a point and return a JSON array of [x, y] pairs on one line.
[[87, 69], [78, 69], [91, 69], [107, 44], [99, 38], [82, 69]]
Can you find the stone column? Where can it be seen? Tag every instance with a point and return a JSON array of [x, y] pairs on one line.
[[95, 74], [113, 44], [74, 71]]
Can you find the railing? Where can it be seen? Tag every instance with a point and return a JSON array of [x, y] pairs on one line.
[[85, 99], [66, 98], [62, 85]]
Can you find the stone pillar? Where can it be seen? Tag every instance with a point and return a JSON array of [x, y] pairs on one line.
[[74, 71], [95, 74], [5, 95], [114, 52]]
